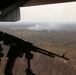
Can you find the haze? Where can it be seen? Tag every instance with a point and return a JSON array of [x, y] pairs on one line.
[[62, 12], [39, 26]]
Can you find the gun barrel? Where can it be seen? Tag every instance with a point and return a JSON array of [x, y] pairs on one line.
[[51, 54]]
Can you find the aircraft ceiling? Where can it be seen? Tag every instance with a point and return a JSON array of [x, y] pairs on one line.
[[6, 3], [41, 2]]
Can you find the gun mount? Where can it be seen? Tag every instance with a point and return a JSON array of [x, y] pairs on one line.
[[17, 48]]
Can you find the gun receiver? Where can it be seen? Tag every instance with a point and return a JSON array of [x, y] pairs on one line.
[[18, 47]]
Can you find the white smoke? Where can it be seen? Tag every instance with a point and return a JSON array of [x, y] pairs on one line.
[[44, 27]]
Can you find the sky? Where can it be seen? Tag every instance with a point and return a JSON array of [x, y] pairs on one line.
[[61, 12]]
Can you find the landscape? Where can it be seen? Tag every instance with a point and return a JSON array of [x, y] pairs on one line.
[[59, 39]]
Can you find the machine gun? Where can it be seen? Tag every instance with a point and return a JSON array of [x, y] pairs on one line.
[[17, 48]]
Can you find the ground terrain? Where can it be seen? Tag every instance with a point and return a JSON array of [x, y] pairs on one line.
[[60, 42]]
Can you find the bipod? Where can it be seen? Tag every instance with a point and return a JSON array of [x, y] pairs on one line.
[[29, 56]]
